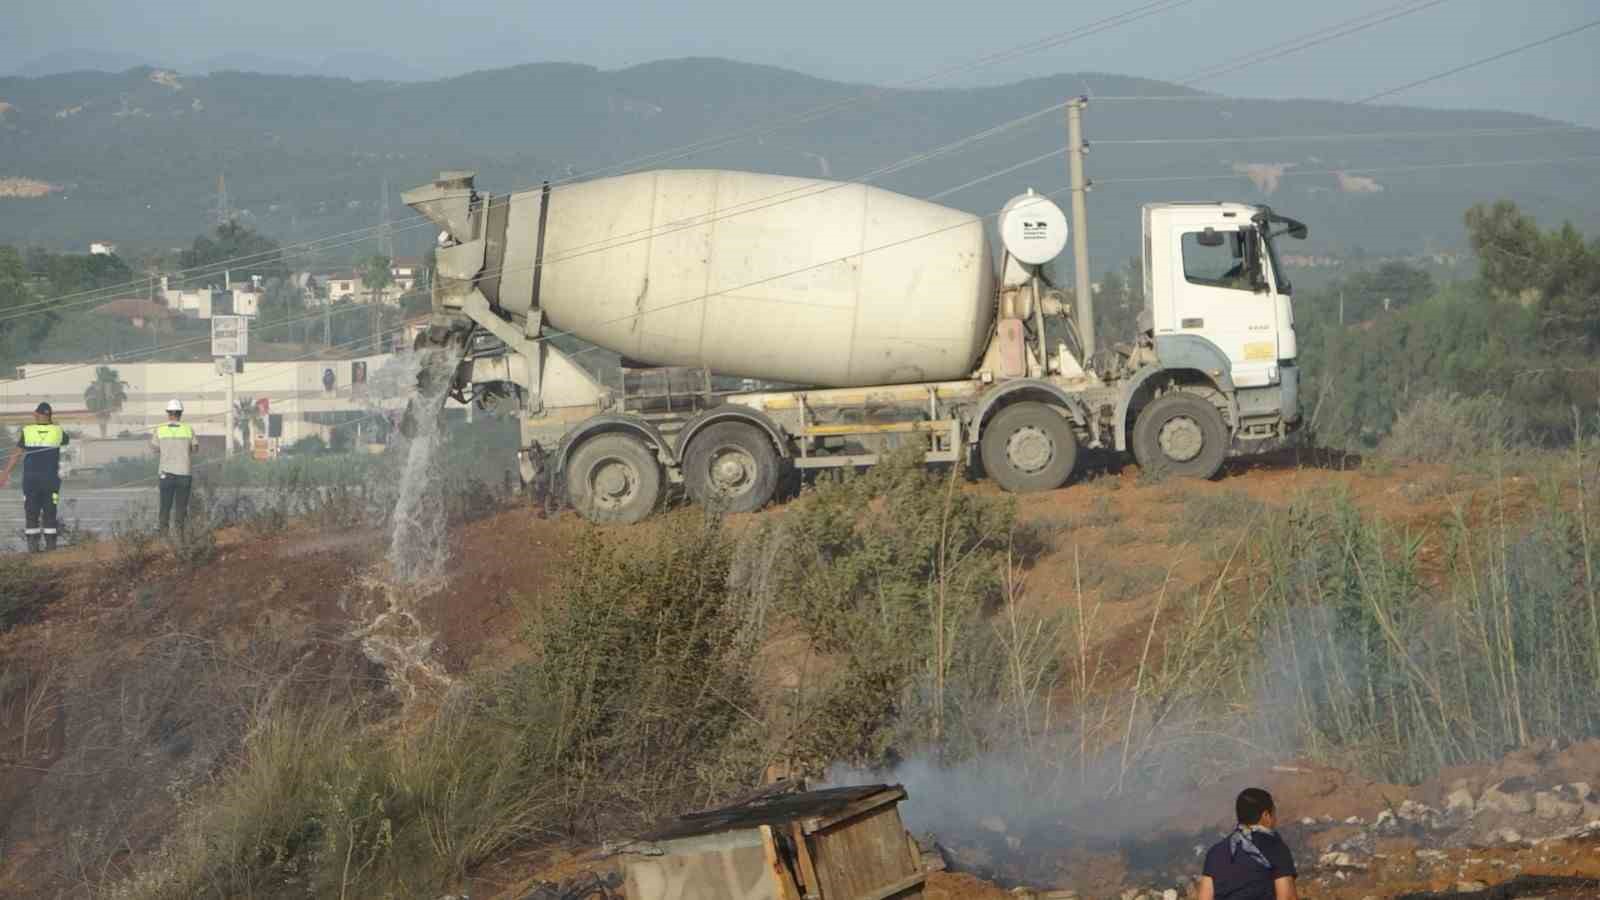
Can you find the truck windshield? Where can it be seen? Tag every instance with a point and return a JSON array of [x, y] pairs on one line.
[[1278, 275]]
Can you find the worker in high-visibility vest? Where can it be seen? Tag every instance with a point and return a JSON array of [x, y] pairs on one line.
[[39, 448], [175, 441]]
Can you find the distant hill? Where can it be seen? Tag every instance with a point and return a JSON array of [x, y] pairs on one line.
[[62, 61], [134, 157]]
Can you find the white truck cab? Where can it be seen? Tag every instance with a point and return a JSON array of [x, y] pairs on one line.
[[1219, 303]]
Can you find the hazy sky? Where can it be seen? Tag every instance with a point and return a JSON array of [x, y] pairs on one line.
[[881, 41]]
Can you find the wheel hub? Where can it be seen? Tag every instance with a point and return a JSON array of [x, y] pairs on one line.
[[1029, 449], [1181, 439], [612, 482], [732, 471]]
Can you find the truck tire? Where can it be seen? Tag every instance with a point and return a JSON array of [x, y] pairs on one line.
[[613, 478], [1028, 447], [1180, 434], [732, 467]]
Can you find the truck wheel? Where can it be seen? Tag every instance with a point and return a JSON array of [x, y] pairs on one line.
[[613, 478], [731, 467], [1029, 447], [1181, 434]]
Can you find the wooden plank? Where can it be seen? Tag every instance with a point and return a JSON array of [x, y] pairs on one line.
[[863, 855], [890, 890], [808, 868], [860, 807], [780, 873]]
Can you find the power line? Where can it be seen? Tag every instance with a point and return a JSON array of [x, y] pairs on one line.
[[1356, 136], [1373, 170], [1479, 62]]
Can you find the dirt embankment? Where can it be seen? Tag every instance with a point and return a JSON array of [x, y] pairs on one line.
[[134, 686]]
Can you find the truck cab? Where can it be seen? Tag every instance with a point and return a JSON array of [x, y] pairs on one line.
[[1218, 304]]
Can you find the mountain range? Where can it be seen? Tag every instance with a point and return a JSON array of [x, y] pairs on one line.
[[135, 156]]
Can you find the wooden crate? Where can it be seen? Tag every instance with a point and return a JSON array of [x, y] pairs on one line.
[[834, 844]]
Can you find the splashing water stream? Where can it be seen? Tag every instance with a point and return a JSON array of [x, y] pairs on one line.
[[389, 631], [418, 549]]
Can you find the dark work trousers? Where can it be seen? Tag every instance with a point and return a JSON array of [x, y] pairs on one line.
[[175, 491], [39, 508]]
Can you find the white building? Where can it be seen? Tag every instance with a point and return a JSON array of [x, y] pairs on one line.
[[102, 248], [247, 300], [298, 404]]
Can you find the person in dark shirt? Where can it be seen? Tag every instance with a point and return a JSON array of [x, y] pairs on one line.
[[39, 448], [1251, 863]]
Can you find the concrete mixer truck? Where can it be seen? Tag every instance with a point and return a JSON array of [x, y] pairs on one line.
[[764, 325]]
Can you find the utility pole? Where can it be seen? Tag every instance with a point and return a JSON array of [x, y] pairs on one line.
[[385, 233], [224, 211], [1080, 224], [231, 364]]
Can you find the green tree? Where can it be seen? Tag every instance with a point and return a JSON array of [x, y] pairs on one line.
[[105, 395], [1556, 272], [233, 248], [74, 273], [377, 275], [245, 415]]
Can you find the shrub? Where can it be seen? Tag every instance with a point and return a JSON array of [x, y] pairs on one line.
[[641, 690], [892, 575], [24, 591], [1444, 427]]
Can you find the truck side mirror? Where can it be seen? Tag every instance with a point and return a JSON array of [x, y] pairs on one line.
[[1210, 238]]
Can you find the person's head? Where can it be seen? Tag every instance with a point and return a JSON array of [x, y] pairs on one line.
[[1254, 806], [41, 414], [174, 410]]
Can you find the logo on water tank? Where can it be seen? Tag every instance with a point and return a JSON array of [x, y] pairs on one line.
[[1035, 230]]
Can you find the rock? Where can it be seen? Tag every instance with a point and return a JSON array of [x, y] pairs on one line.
[[1582, 791], [1337, 860], [1467, 887], [1505, 836], [1355, 820], [1308, 822], [993, 823], [1386, 823], [1433, 856], [1547, 805], [1460, 802], [1497, 798], [1169, 894]]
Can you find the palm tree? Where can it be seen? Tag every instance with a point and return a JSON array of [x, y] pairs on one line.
[[245, 414], [105, 395]]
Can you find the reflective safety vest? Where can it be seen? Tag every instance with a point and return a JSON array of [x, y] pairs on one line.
[[41, 444], [43, 435], [175, 431]]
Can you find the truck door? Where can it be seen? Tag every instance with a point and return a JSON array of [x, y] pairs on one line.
[[1219, 293]]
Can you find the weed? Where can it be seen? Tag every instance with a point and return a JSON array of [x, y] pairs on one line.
[[1121, 535], [1209, 515], [1100, 514], [1448, 428], [137, 542], [24, 590]]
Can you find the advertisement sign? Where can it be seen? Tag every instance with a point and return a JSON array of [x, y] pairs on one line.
[[230, 336]]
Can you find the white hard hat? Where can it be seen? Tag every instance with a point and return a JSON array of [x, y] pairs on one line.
[[174, 405]]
